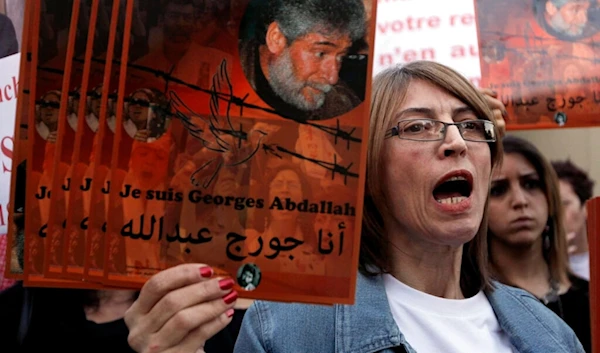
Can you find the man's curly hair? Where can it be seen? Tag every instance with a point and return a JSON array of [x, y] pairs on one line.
[[576, 177]]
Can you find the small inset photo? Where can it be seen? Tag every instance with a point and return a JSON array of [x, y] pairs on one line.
[[248, 277], [306, 59], [46, 115], [146, 117]]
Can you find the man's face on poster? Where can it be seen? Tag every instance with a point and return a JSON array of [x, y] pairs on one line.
[[304, 71], [138, 108], [50, 109], [179, 23], [570, 18]]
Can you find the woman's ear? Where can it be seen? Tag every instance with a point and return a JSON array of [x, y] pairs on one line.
[[275, 40]]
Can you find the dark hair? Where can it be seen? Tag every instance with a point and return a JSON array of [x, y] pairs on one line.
[[557, 254], [579, 179], [161, 106], [252, 269], [297, 18]]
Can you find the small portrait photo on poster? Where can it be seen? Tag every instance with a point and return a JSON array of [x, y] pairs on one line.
[[568, 20], [46, 115], [146, 115], [306, 59], [248, 277]]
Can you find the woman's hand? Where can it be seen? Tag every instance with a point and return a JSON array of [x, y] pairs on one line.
[[179, 309], [498, 108]]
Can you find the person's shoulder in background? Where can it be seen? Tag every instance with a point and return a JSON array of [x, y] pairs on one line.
[[8, 37]]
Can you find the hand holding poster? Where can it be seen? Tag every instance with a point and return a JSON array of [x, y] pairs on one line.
[[541, 56], [230, 135]]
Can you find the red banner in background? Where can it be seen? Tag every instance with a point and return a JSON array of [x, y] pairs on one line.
[[542, 60]]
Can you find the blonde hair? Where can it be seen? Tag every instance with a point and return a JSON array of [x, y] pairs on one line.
[[388, 94]]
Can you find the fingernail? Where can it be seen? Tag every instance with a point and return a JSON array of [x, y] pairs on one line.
[[206, 272], [230, 312], [494, 93], [230, 298], [226, 284]]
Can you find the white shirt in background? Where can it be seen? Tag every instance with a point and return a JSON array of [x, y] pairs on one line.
[[432, 324], [580, 265]]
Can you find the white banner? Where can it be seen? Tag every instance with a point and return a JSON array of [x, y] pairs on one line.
[[9, 78], [437, 30]]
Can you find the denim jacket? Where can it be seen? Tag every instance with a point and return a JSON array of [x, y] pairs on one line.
[[368, 326]]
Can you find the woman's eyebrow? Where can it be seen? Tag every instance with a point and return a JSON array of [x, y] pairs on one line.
[[462, 110], [426, 112]]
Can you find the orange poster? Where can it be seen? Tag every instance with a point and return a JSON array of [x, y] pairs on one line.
[[248, 157], [51, 24], [77, 248], [15, 250], [542, 57]]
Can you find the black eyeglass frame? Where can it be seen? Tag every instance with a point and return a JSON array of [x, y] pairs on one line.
[[395, 131]]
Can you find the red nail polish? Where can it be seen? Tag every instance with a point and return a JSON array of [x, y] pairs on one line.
[[206, 272], [226, 284], [230, 298], [230, 312]]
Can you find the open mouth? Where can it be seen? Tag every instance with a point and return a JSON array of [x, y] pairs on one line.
[[454, 188]]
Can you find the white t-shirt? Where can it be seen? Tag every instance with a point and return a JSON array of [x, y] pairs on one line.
[[580, 265], [432, 324]]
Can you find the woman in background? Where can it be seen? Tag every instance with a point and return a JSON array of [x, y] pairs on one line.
[[528, 246]]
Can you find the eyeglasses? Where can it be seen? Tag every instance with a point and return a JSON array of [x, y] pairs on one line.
[[435, 130], [140, 102], [48, 104]]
